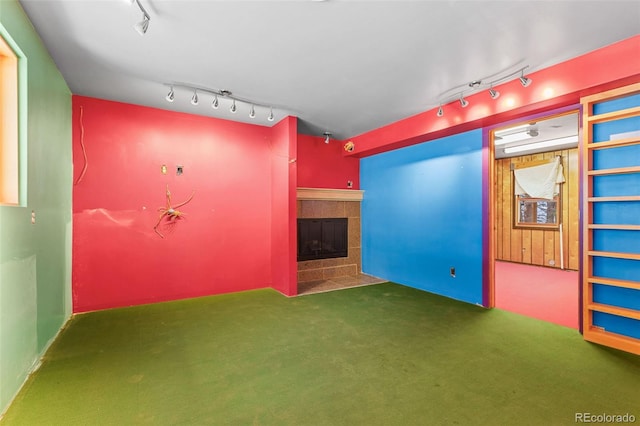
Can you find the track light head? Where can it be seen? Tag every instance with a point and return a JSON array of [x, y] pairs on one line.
[[270, 117], [327, 136], [525, 81], [494, 93], [252, 112], [171, 95], [215, 104], [463, 102], [194, 98], [440, 112], [233, 108], [142, 26]]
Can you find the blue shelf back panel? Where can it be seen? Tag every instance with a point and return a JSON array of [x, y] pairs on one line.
[[616, 296], [602, 132], [611, 158], [616, 185], [616, 240], [620, 269], [619, 325], [617, 213], [617, 104]]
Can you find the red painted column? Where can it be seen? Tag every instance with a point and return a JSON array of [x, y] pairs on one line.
[[283, 209]]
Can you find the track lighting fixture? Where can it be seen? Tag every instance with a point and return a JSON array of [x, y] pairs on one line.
[[327, 135], [236, 101], [459, 92], [525, 81], [142, 26], [171, 95]]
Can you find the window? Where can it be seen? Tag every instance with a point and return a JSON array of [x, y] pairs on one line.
[[536, 212], [12, 112], [537, 187]]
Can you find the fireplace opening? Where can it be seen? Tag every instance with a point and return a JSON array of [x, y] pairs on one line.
[[322, 238]]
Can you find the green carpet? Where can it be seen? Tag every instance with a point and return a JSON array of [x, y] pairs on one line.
[[377, 355]]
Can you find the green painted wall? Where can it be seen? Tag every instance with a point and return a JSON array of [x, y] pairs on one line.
[[35, 260]]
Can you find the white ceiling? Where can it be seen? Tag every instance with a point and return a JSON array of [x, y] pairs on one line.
[[343, 66], [546, 129]]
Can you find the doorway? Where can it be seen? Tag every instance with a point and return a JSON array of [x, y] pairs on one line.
[[535, 220]]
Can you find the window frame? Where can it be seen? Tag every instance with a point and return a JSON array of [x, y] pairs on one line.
[[531, 225], [13, 141]]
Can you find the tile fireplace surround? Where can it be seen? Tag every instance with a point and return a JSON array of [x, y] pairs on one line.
[[331, 203]]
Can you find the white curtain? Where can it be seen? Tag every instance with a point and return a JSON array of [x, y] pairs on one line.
[[539, 181]]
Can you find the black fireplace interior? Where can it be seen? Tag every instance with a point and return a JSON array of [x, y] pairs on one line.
[[322, 238]]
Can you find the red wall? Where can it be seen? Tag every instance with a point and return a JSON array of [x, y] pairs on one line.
[[554, 87], [322, 165], [223, 244]]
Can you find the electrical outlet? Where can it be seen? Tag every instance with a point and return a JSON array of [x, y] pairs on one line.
[[452, 272]]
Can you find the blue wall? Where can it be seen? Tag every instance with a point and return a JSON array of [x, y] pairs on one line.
[[422, 215]]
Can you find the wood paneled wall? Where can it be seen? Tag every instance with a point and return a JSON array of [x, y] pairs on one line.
[[533, 246]]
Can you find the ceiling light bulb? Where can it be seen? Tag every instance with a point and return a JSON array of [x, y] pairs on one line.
[[252, 113], [215, 104], [194, 98], [270, 117], [142, 26], [440, 112], [233, 108], [494, 93], [326, 137], [463, 102], [171, 95], [524, 80]]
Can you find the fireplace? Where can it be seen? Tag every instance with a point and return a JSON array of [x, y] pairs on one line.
[[322, 238], [330, 204]]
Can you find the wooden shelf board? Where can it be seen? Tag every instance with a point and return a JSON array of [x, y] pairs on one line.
[[614, 227], [616, 255], [615, 115], [617, 198], [615, 310], [616, 93], [617, 171], [614, 143], [602, 337], [614, 282]]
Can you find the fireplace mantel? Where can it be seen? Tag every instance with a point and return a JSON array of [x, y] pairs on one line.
[[330, 194]]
